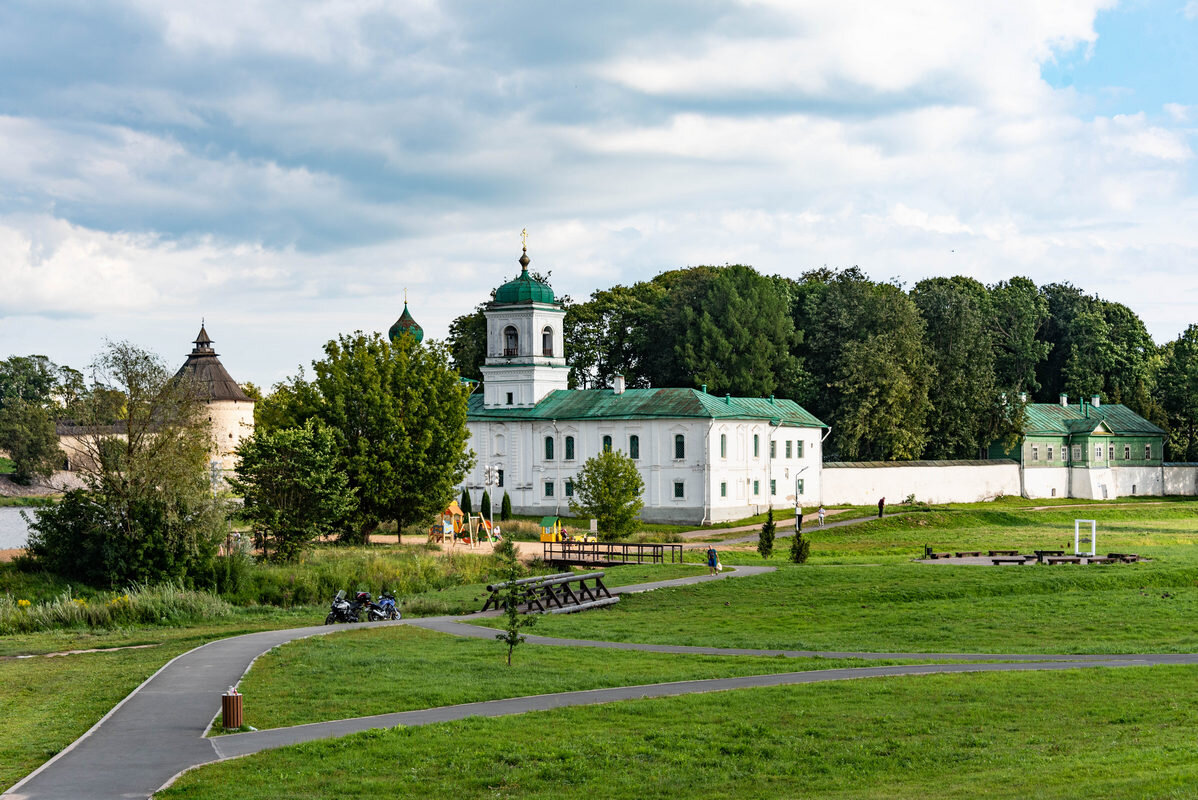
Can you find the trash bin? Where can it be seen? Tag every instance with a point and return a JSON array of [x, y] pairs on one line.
[[231, 709]]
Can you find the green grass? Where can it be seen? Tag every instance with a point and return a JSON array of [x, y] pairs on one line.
[[6, 466], [402, 668], [1115, 733], [30, 502]]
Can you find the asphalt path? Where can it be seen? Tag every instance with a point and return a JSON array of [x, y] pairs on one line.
[[157, 732]]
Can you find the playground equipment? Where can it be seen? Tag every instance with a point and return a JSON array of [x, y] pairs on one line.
[[449, 526], [551, 529], [1077, 523], [480, 529]]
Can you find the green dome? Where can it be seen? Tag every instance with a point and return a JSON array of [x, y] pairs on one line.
[[406, 322], [524, 289]]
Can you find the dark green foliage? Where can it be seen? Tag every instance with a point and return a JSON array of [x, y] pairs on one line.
[[484, 505], [765, 539], [608, 488], [464, 502], [505, 508], [399, 415], [27, 433], [511, 597], [292, 488], [800, 548], [1177, 389], [1018, 313], [467, 343], [29, 379]]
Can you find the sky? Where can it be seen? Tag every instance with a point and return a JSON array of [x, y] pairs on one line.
[[285, 170]]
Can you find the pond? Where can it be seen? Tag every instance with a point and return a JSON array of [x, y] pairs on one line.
[[13, 530]]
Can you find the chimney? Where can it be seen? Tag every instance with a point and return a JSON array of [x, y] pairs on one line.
[[727, 399], [705, 388], [1095, 401], [1064, 400], [617, 384], [771, 399]]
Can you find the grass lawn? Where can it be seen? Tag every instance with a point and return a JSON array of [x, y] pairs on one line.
[[837, 603], [403, 668], [1113, 733]]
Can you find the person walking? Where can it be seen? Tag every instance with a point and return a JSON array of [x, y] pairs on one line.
[[821, 516], [713, 560], [881, 507]]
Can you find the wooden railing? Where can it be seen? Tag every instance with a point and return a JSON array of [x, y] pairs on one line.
[[611, 553]]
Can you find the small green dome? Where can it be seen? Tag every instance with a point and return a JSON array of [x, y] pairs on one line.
[[524, 289], [406, 322]]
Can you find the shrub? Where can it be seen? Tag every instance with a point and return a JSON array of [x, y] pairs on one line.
[[765, 539], [167, 603], [505, 509], [800, 548]]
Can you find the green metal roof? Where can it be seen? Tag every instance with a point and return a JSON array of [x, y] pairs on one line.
[[1053, 418], [583, 404], [524, 290]]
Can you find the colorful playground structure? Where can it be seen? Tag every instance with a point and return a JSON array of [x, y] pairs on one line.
[[456, 526]]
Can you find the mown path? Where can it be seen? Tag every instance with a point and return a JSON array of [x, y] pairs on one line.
[[158, 731]]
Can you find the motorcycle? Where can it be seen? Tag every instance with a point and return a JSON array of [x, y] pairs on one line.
[[344, 610], [385, 608]]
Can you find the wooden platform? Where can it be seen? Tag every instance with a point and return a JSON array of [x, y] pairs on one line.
[[607, 554]]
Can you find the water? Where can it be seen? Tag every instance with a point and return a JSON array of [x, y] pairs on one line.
[[13, 530]]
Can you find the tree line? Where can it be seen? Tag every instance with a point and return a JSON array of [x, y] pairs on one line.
[[936, 371]]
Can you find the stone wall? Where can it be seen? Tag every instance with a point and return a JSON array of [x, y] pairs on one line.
[[863, 483]]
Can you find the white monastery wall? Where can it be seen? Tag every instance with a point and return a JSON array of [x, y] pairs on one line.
[[1046, 482], [1180, 479], [945, 483]]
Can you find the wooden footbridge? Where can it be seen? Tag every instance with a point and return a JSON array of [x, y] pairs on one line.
[[610, 554]]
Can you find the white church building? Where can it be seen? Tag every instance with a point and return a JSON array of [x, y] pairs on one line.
[[703, 458]]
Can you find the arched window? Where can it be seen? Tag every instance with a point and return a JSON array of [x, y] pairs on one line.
[[723, 445], [607, 444], [679, 446], [547, 342], [511, 341], [634, 446], [756, 445], [569, 448], [548, 448]]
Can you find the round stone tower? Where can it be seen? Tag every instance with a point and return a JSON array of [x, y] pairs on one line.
[[230, 410]]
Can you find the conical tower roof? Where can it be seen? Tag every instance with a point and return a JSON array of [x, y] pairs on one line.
[[406, 322], [205, 368]]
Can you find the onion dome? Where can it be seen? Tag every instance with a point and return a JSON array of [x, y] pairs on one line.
[[524, 289], [406, 323]]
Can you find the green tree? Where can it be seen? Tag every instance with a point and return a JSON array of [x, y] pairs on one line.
[[608, 488], [148, 513], [464, 503], [27, 432], [800, 548], [467, 342], [765, 539], [510, 598], [29, 379], [956, 312], [399, 414], [505, 508], [292, 488], [484, 505], [1177, 387], [1018, 313]]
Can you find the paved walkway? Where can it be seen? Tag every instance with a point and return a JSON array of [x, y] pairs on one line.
[[158, 731]]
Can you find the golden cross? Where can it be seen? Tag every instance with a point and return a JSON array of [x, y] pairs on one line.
[[524, 238]]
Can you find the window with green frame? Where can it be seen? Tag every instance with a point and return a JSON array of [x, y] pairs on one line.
[[773, 486], [548, 448], [549, 488], [679, 489], [723, 445], [723, 489], [679, 446], [788, 448], [773, 449], [756, 446], [569, 448], [756, 487], [634, 446], [569, 487], [798, 448], [607, 444], [799, 486]]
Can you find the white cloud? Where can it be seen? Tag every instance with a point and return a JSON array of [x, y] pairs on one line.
[[1191, 10]]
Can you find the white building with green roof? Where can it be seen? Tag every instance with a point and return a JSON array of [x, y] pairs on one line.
[[703, 457]]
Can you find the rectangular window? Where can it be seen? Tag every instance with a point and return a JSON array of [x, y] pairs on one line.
[[756, 446], [500, 476], [549, 488], [798, 448], [634, 447], [1147, 451], [756, 487], [788, 448], [548, 448], [509, 398], [723, 490], [679, 489], [773, 449], [1098, 452], [799, 485], [723, 445], [1127, 452], [607, 444], [679, 446], [569, 448], [1050, 452], [1077, 453], [569, 488], [1035, 452], [773, 487]]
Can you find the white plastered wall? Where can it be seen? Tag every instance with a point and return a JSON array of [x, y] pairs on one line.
[[930, 484]]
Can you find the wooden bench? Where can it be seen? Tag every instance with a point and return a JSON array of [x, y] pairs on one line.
[[562, 593], [1126, 558], [939, 555], [1064, 560], [1004, 552], [969, 554], [1008, 560], [1093, 560]]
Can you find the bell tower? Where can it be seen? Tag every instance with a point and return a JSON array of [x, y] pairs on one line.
[[526, 357]]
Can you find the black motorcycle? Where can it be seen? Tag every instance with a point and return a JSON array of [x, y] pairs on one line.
[[344, 610]]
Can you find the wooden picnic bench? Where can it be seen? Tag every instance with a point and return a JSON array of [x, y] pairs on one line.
[[1126, 558], [940, 555], [1004, 552], [969, 554], [1093, 560], [562, 593], [1064, 560], [1014, 559]]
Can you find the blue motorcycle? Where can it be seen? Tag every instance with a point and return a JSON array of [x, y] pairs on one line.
[[385, 608]]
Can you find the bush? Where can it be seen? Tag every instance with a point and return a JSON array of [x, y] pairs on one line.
[[800, 548], [505, 509], [765, 539]]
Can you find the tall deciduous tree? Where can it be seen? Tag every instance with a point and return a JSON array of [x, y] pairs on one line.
[[609, 488], [27, 432], [1018, 313], [1177, 387], [294, 492], [399, 414]]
